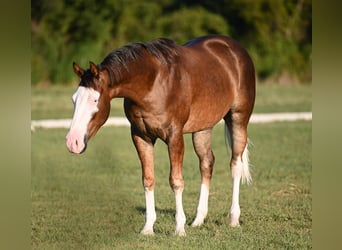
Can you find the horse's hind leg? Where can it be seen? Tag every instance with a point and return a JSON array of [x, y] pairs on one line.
[[202, 145], [236, 122]]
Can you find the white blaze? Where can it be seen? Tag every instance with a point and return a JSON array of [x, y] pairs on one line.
[[85, 101]]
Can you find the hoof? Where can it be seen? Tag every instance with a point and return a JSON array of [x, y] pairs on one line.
[[234, 223], [147, 232], [197, 222], [180, 232]]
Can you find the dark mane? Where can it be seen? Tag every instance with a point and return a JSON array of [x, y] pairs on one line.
[[163, 49]]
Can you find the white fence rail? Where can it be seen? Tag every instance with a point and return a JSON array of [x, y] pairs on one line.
[[122, 121]]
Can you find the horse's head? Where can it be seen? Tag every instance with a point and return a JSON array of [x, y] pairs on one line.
[[91, 107]]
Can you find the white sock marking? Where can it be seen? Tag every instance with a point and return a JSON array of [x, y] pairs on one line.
[[150, 216], [180, 216], [202, 208], [235, 208]]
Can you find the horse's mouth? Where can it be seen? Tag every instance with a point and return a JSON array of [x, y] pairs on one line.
[[85, 141]]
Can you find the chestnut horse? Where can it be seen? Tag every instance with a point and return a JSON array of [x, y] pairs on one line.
[[170, 90]]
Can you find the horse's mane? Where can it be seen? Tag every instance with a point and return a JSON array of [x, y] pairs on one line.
[[163, 49]]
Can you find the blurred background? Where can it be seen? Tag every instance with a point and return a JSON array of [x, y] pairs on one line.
[[276, 33]]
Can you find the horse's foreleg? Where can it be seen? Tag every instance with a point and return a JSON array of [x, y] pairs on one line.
[[150, 216], [202, 145], [145, 152], [176, 153]]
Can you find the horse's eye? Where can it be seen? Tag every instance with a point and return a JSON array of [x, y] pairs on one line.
[[96, 100]]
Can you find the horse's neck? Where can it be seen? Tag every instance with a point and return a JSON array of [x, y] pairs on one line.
[[136, 85]]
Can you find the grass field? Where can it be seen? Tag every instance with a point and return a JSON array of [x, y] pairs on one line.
[[96, 200]]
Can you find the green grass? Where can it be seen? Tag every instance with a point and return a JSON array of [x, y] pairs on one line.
[[96, 200], [283, 98], [55, 102]]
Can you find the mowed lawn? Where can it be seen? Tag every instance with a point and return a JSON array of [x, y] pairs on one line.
[[96, 201]]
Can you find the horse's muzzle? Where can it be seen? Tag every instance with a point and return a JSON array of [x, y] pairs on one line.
[[76, 144]]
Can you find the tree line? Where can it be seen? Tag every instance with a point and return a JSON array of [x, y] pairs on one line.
[[277, 33]]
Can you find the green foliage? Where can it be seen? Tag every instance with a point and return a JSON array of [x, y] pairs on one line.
[[187, 23], [276, 33], [278, 36], [138, 22], [64, 31]]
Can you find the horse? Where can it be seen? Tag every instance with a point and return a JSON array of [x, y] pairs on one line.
[[170, 90]]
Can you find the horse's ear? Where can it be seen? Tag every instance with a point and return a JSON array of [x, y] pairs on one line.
[[94, 69], [78, 70]]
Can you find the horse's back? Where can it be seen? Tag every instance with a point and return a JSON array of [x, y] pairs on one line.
[[223, 52], [222, 77]]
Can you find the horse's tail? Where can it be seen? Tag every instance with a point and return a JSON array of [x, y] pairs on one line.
[[245, 173]]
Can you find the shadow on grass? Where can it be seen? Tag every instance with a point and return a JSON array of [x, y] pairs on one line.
[[170, 213], [167, 211]]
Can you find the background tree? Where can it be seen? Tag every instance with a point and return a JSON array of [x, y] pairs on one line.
[[276, 33]]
